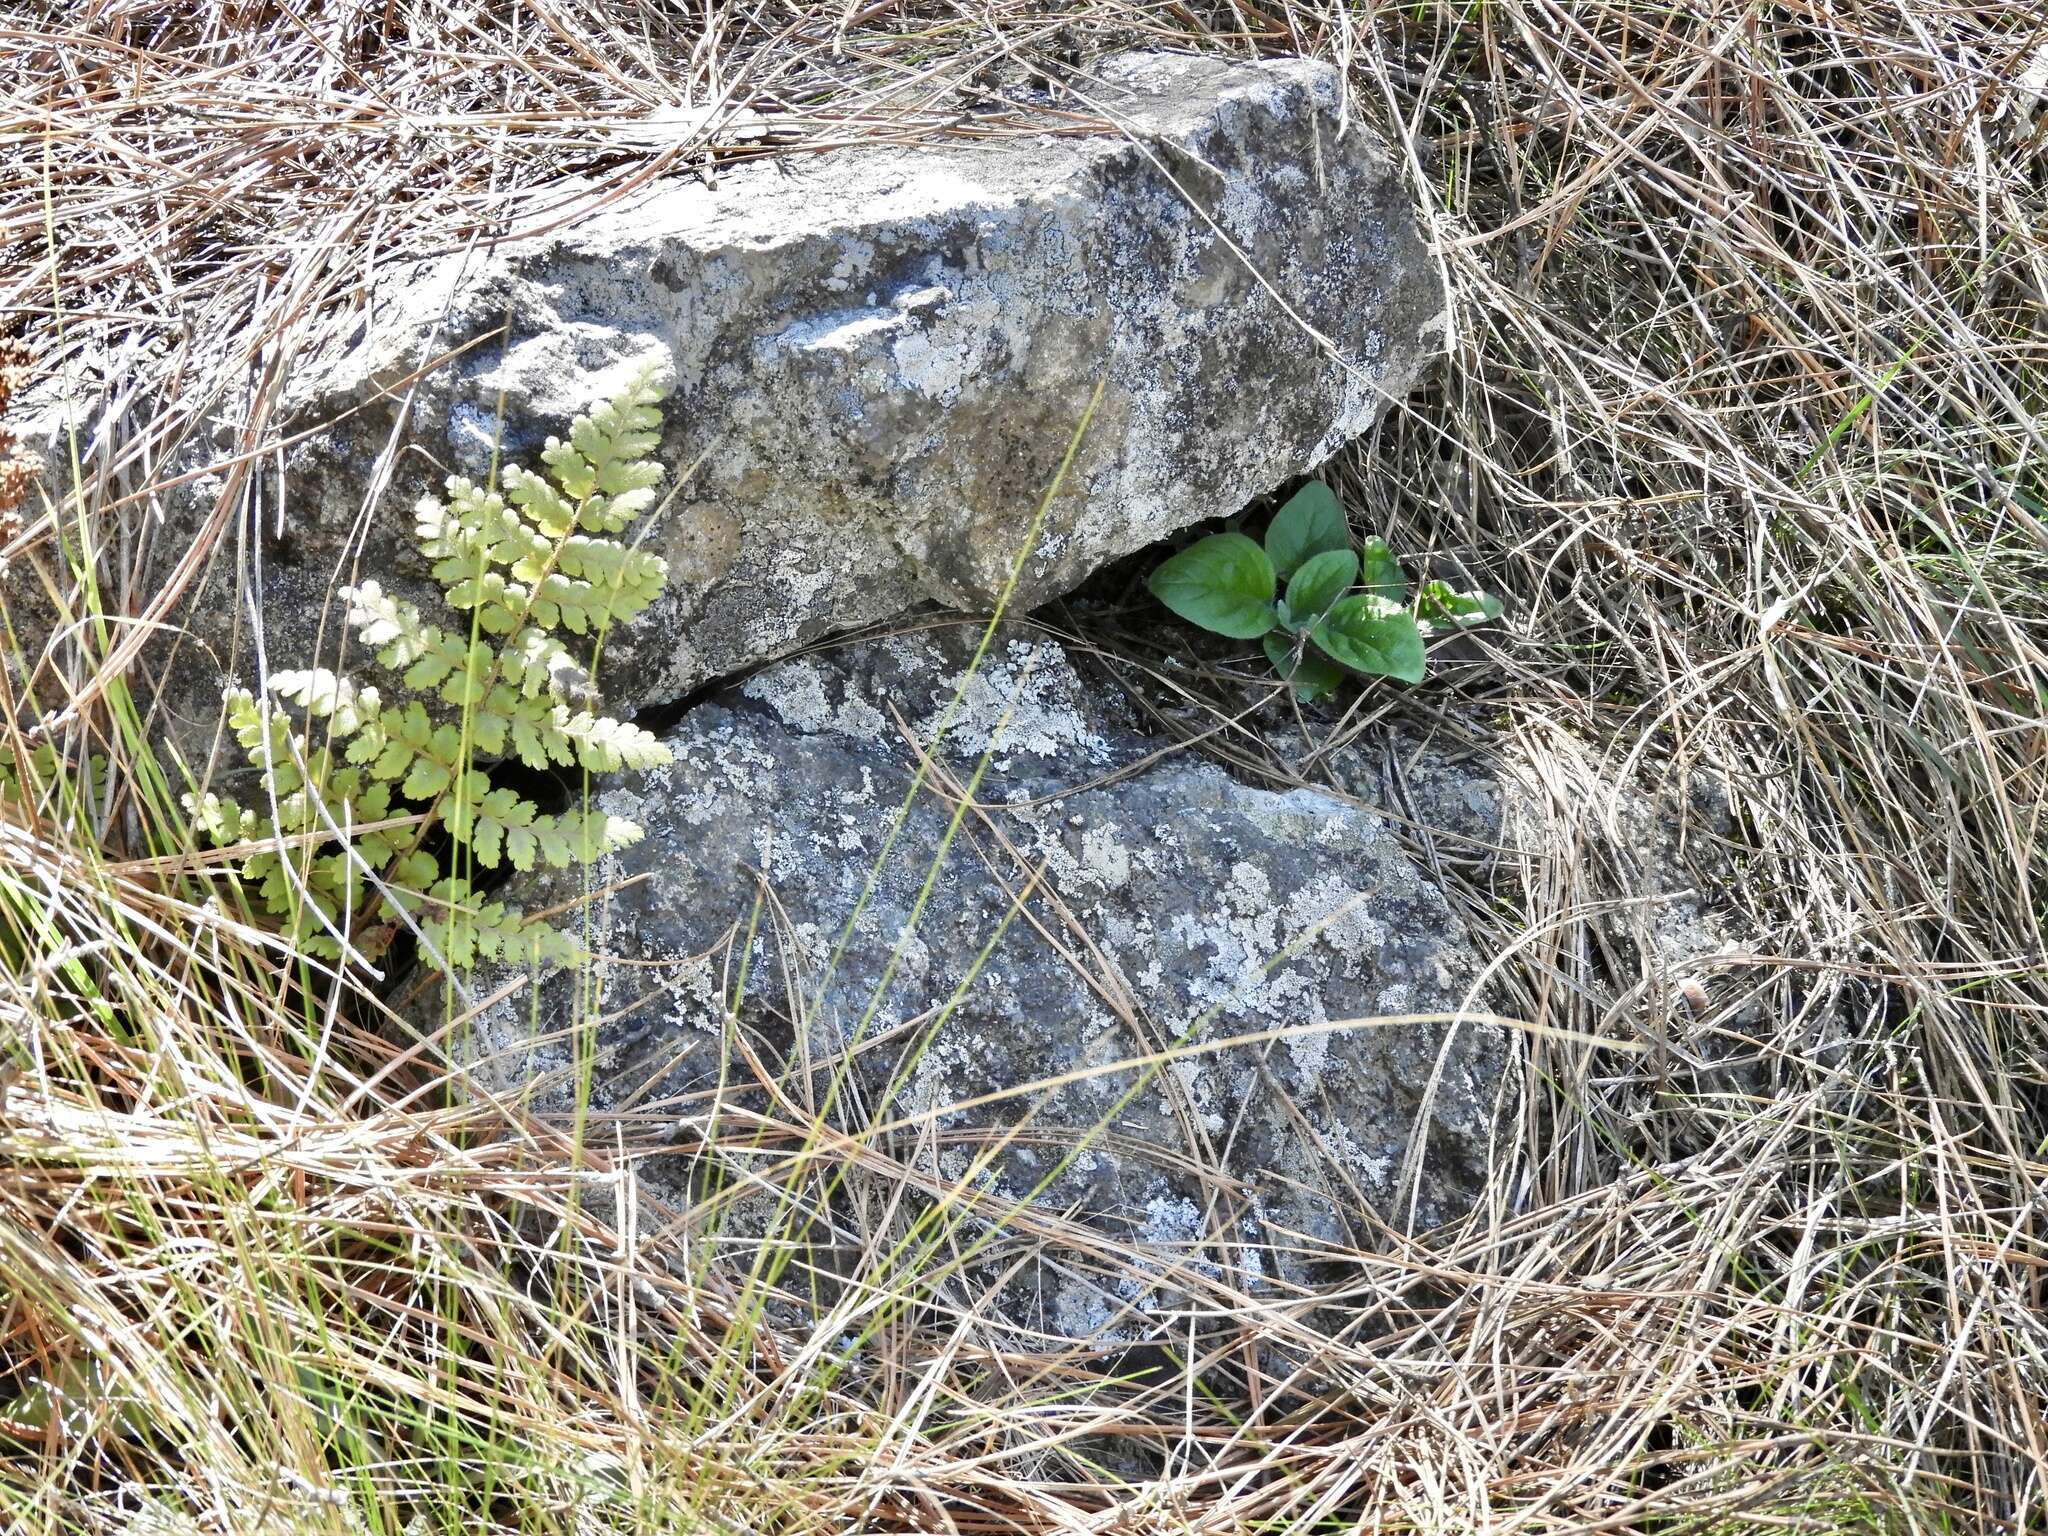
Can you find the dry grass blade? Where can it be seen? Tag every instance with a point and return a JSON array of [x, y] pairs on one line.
[[1745, 419]]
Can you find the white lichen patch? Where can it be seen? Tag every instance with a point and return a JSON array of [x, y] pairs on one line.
[[692, 987], [933, 365], [475, 437], [1395, 998], [1375, 1170], [1107, 1045], [1171, 1221], [1198, 1082], [1249, 894], [1106, 857], [1102, 864], [1310, 1055], [1244, 973], [1339, 918], [856, 256], [839, 331], [1080, 1311], [797, 691], [1025, 699], [622, 802]]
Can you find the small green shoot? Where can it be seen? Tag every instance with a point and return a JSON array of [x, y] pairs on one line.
[[1343, 609]]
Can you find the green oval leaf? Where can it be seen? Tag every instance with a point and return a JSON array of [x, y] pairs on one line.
[[1320, 582], [1312, 523], [1440, 603], [1313, 676], [1224, 583], [1371, 635], [1380, 572]]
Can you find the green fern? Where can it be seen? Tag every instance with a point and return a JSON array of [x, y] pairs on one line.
[[21, 780], [44, 779], [356, 786]]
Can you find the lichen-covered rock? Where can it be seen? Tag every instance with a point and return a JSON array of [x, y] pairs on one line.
[[880, 356], [1098, 904]]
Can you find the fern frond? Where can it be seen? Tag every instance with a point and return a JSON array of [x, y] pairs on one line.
[[605, 466], [583, 837], [630, 578], [498, 603], [468, 682], [406, 743], [265, 737], [373, 805], [485, 823], [501, 826], [425, 779], [390, 625], [604, 745], [297, 813], [323, 695], [535, 662], [628, 491], [523, 563], [328, 882], [537, 497], [540, 740], [41, 769], [315, 941], [224, 822], [444, 655], [427, 653], [466, 928], [585, 607], [331, 887], [624, 428], [471, 530], [562, 841]]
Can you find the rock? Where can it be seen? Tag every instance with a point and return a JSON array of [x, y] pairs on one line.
[[880, 355], [1174, 903]]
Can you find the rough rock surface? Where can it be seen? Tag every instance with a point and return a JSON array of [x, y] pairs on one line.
[[1175, 903], [880, 355]]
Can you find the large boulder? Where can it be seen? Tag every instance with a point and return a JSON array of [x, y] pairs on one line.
[[1101, 902], [880, 355]]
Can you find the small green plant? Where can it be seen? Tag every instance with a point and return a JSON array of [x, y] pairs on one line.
[[1342, 608], [375, 813]]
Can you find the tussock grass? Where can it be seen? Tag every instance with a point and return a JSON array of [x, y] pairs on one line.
[[1744, 418]]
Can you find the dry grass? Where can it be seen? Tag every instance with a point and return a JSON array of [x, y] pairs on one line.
[[1745, 420]]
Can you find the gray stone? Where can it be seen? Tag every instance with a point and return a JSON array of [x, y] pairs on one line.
[[1174, 904], [880, 355]]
